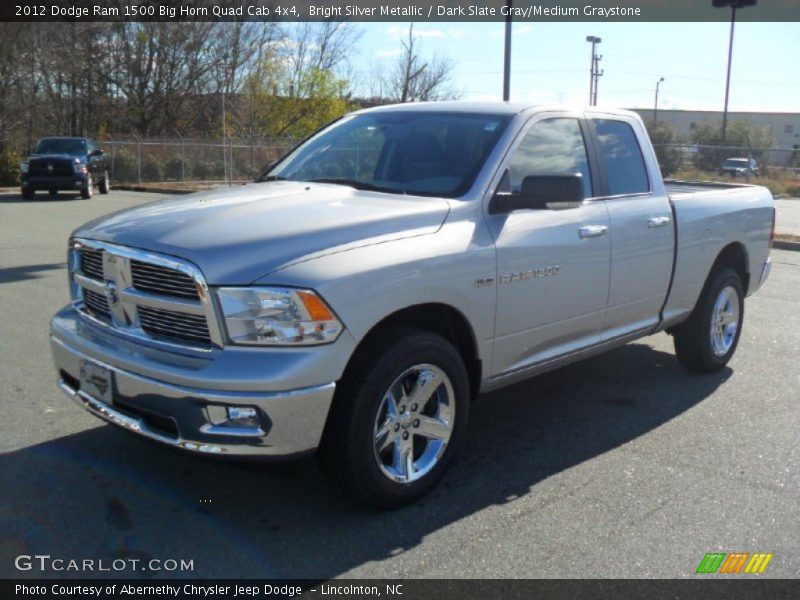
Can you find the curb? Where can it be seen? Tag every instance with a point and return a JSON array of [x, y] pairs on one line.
[[786, 243]]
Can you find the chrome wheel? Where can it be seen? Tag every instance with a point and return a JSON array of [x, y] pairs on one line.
[[725, 321], [414, 423]]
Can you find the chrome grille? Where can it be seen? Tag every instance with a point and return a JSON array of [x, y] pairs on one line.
[[96, 304], [174, 325], [143, 295], [92, 263], [162, 280]]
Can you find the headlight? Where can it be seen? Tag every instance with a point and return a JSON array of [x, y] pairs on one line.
[[23, 167], [79, 167], [273, 316]]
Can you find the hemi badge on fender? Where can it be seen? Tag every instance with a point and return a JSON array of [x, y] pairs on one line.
[[484, 282]]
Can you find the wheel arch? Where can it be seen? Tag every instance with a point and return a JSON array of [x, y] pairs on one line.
[[441, 319], [735, 256]]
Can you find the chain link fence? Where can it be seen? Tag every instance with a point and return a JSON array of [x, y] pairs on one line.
[[775, 168], [186, 161], [201, 163]]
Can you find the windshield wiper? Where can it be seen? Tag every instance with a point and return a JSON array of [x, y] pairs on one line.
[[265, 178], [355, 183]]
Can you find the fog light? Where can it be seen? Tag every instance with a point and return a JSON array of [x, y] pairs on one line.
[[242, 416]]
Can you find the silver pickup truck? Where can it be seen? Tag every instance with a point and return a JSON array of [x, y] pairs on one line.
[[358, 297]]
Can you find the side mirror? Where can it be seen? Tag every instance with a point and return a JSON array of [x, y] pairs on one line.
[[541, 192], [97, 152]]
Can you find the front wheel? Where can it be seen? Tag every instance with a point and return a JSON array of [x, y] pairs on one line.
[[707, 340], [105, 184], [86, 190], [397, 419]]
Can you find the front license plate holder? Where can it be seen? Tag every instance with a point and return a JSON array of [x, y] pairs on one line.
[[96, 381]]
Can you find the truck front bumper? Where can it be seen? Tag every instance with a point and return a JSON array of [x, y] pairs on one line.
[[72, 182], [201, 419]]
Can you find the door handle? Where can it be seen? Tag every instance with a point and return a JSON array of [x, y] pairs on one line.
[[592, 231], [656, 222]]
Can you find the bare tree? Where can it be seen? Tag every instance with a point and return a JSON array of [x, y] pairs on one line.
[[414, 79]]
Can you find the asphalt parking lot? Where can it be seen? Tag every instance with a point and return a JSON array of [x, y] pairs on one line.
[[621, 466]]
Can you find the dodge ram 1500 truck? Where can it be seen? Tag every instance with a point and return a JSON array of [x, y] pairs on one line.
[[65, 163], [358, 296]]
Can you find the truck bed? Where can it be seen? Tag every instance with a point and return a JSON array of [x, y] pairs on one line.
[[676, 187]]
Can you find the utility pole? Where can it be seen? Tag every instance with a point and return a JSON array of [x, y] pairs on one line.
[[597, 75], [224, 133], [507, 56], [655, 108], [733, 4], [593, 72]]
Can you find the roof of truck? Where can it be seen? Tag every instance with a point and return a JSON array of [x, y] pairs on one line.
[[498, 108]]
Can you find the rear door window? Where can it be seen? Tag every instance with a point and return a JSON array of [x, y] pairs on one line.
[[624, 162]]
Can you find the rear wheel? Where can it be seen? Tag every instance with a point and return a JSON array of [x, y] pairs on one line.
[[105, 185], [86, 190], [53, 193], [28, 193], [399, 414], [707, 340]]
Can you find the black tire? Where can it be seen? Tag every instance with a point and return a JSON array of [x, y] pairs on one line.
[[105, 184], [53, 193], [86, 190], [694, 345], [28, 193], [347, 453]]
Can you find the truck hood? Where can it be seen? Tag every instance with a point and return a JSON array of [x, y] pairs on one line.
[[69, 157], [238, 235]]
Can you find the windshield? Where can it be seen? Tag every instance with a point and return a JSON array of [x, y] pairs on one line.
[[414, 152], [739, 163], [61, 146]]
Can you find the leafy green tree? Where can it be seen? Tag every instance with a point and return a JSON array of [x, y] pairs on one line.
[[275, 103], [743, 139], [665, 142]]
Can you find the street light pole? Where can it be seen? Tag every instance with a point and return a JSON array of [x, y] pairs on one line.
[[655, 108], [733, 4]]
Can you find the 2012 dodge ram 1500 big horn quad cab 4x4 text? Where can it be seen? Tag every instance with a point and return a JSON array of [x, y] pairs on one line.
[[402, 260]]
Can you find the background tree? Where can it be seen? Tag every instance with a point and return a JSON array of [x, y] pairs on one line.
[[297, 85], [664, 141], [743, 140], [413, 78]]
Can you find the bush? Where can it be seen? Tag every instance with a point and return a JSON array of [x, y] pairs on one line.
[[124, 167], [9, 168], [207, 170], [152, 169], [172, 169]]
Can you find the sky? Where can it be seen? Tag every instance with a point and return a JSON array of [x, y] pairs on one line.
[[550, 62]]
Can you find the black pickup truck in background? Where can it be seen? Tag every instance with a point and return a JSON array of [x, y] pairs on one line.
[[65, 163]]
